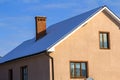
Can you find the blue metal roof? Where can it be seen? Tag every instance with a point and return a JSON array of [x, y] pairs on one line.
[[55, 33]]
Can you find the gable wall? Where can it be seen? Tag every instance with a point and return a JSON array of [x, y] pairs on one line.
[[83, 45]]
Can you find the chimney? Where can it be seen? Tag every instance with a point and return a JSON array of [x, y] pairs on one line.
[[40, 26]]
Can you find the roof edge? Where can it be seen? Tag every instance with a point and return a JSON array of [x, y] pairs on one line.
[[52, 48], [112, 14], [24, 57]]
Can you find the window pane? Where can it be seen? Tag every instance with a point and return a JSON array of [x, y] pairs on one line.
[[83, 69], [101, 41], [72, 69], [105, 40], [24, 73], [104, 43], [77, 69]]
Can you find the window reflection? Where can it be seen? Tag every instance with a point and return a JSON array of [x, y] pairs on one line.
[[104, 42], [83, 69], [72, 69], [78, 69]]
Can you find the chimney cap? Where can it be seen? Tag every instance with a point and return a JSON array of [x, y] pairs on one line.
[[40, 16]]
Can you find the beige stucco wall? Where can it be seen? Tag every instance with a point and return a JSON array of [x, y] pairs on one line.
[[38, 68], [83, 45]]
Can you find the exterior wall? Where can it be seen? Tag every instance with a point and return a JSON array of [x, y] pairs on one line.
[[38, 68], [83, 45]]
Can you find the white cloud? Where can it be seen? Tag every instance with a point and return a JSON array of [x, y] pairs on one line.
[[14, 21], [17, 24], [14, 30], [52, 6], [3, 1], [60, 5], [29, 1], [22, 1], [2, 24], [113, 3]]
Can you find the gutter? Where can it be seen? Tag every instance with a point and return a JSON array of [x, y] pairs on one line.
[[52, 61]]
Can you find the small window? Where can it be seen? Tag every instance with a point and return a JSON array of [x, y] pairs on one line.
[[104, 40], [10, 74], [24, 73], [78, 69]]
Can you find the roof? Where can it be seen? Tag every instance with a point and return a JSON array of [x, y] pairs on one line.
[[55, 34]]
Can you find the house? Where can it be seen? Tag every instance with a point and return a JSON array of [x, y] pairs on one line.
[[81, 47]]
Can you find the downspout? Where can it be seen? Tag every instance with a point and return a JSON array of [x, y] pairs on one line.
[[52, 65]]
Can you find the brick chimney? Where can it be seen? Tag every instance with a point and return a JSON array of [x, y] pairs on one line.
[[40, 26]]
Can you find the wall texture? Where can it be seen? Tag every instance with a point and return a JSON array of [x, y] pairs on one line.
[[83, 45], [38, 68]]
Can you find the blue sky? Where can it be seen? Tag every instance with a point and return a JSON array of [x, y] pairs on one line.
[[17, 22]]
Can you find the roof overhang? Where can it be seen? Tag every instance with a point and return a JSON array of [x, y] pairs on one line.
[[112, 14], [52, 48]]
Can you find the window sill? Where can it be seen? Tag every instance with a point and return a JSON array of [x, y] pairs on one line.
[[78, 78], [104, 48]]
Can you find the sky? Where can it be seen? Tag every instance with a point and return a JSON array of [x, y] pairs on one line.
[[17, 22]]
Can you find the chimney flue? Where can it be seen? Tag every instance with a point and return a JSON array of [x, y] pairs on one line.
[[40, 26]]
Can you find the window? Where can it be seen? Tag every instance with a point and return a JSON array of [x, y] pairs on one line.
[[10, 74], [104, 40], [24, 73], [78, 69]]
